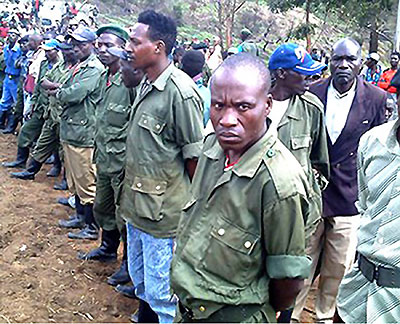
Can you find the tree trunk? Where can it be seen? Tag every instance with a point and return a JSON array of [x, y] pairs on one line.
[[373, 37], [308, 30]]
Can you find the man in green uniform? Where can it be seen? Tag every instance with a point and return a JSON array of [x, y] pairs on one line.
[[49, 139], [79, 96], [240, 254], [298, 117], [248, 45], [32, 128], [112, 118], [163, 143]]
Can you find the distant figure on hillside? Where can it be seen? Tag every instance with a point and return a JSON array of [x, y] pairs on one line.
[[248, 45], [372, 70], [387, 75]]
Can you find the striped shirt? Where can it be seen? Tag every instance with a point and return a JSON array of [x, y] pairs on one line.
[[359, 300]]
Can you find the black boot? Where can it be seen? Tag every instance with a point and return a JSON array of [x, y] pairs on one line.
[[107, 251], [28, 174], [121, 276], [77, 220], [56, 168], [146, 314], [126, 290], [12, 124], [3, 117], [91, 230], [63, 184], [22, 157]]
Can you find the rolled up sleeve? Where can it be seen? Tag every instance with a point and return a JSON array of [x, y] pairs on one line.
[[288, 266]]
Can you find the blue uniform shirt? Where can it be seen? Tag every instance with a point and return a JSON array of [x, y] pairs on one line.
[[10, 56]]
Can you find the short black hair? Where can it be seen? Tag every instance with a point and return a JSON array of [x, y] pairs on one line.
[[193, 62], [161, 27], [348, 39], [395, 53], [248, 61]]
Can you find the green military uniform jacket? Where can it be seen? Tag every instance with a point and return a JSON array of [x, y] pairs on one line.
[[249, 46], [165, 130], [79, 96], [112, 119], [40, 98], [59, 73], [302, 130], [243, 227]]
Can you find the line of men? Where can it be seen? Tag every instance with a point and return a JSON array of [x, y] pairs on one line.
[[219, 226]]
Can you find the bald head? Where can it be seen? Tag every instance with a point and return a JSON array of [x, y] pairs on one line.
[[250, 66], [35, 40], [348, 42]]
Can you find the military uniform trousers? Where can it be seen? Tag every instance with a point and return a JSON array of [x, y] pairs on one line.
[[106, 205], [48, 142], [18, 108], [31, 130], [80, 172]]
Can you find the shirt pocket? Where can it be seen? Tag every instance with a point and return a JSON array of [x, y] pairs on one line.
[[117, 115], [149, 197], [300, 147], [233, 254], [152, 123]]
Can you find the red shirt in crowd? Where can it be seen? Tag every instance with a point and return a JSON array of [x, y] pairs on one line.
[[384, 81]]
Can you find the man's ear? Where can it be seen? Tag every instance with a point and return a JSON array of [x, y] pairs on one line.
[[160, 47], [280, 74], [268, 105]]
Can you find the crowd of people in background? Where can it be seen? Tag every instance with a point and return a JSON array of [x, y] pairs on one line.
[[232, 183]]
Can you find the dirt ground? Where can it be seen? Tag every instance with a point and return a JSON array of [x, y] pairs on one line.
[[41, 280]]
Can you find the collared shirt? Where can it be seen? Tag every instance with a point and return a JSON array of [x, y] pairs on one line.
[[359, 300], [112, 117], [232, 238], [337, 110], [166, 129], [279, 109], [79, 96], [10, 57]]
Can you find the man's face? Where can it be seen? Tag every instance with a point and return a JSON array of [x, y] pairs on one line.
[[105, 41], [394, 61], [239, 107], [296, 83], [51, 55], [130, 76], [345, 62], [12, 38], [24, 47], [370, 63], [82, 49], [69, 55], [141, 49], [33, 43]]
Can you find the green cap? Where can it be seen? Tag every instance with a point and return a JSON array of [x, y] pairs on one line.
[[245, 32], [115, 30]]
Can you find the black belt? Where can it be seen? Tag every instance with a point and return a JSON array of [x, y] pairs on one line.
[[385, 277], [227, 314]]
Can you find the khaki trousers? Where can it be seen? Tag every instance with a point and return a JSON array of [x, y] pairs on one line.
[[336, 238], [80, 172]]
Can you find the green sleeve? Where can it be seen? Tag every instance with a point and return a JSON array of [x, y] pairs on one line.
[[363, 192], [319, 151], [284, 238], [189, 127], [85, 83]]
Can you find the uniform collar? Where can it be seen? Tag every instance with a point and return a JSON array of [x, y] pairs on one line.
[[116, 78], [162, 79], [250, 161], [90, 58]]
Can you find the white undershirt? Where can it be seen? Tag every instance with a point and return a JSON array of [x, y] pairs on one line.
[[337, 110], [278, 110]]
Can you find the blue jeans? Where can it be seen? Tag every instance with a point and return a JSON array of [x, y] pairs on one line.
[[149, 261], [9, 97]]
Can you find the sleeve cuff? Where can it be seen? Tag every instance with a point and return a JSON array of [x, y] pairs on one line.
[[193, 150], [288, 266]]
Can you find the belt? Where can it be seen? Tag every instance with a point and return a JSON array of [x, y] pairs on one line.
[[385, 277], [11, 76], [227, 314]]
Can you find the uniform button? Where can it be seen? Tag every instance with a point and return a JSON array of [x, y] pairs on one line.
[[82, 122], [202, 309], [380, 240], [70, 120], [158, 188], [145, 121], [247, 244], [139, 185], [221, 232], [351, 154], [158, 126]]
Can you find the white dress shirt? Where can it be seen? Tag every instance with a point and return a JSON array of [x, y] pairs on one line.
[[278, 110], [337, 110]]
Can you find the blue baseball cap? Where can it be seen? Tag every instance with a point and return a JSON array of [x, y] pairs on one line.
[[50, 45], [83, 34], [294, 57]]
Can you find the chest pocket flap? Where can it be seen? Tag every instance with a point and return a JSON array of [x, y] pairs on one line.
[[152, 123], [149, 186], [234, 237], [300, 142], [117, 115]]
